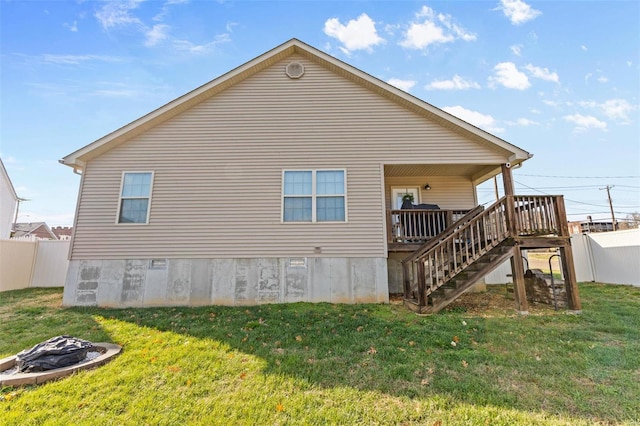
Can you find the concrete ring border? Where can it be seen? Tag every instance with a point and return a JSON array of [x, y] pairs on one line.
[[21, 379]]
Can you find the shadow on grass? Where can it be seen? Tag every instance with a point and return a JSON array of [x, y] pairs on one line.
[[554, 362], [30, 316]]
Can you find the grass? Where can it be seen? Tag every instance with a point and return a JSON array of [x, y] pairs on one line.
[[336, 364]]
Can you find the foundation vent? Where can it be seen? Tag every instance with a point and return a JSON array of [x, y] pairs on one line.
[[298, 262]]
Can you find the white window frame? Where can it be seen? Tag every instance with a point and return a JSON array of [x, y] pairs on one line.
[[120, 197], [314, 195]]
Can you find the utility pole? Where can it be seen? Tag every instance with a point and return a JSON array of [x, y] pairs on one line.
[[613, 216], [15, 219]]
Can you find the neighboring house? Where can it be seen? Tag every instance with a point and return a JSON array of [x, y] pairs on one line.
[[35, 230], [63, 232], [8, 203], [279, 181], [581, 227]]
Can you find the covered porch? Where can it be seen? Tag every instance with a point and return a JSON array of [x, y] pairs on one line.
[[445, 242]]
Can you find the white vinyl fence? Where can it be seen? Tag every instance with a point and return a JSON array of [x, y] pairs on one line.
[[608, 257], [33, 263], [605, 257]]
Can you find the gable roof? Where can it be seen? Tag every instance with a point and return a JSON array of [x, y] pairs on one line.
[[78, 159], [38, 229]]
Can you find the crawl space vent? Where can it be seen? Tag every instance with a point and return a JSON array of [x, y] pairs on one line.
[[294, 70]]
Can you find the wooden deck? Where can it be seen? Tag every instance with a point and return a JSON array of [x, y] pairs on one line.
[[456, 256]]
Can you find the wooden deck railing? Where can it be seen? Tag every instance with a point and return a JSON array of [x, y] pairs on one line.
[[418, 226], [438, 261], [536, 215]]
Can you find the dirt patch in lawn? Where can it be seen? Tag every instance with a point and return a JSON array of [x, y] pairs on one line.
[[496, 300]]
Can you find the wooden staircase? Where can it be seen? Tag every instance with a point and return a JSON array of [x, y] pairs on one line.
[[457, 258]]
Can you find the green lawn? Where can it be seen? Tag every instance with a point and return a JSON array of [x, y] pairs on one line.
[[336, 364]]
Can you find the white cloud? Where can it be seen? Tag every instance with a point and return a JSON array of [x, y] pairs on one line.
[[165, 11], [77, 59], [518, 11], [614, 109], [116, 93], [430, 28], [480, 120], [618, 109], [602, 79], [586, 104], [405, 85], [120, 13], [542, 73], [524, 122], [156, 34], [358, 34], [584, 48], [187, 46], [117, 13], [456, 83], [585, 122], [72, 27], [516, 49], [507, 75]]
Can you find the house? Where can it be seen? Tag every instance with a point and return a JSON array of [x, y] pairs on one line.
[[62, 232], [581, 227], [282, 181], [8, 203], [35, 230]]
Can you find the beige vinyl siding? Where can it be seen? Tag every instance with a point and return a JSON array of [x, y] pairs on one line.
[[448, 192], [218, 171]]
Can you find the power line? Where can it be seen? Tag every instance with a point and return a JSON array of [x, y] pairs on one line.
[[545, 193], [582, 177]]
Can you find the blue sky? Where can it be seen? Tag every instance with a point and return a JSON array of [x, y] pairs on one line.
[[559, 79]]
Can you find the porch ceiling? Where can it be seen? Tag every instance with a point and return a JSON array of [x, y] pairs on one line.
[[398, 170]]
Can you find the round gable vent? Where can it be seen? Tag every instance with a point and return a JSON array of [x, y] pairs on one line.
[[294, 69]]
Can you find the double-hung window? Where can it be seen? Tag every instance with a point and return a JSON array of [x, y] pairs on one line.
[[135, 197], [314, 196]]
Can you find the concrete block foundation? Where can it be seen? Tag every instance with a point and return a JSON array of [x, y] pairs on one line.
[[233, 282]]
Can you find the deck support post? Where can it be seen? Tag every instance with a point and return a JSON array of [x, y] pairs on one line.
[[406, 279], [422, 300], [566, 258], [519, 290], [570, 283]]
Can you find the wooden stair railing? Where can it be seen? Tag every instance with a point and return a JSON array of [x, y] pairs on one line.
[[472, 247]]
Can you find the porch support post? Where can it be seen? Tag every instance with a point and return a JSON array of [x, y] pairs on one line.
[[507, 180], [519, 290]]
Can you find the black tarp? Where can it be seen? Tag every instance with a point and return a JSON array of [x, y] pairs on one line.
[[57, 352]]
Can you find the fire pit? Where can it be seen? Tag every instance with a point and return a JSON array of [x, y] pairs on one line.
[[93, 356]]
